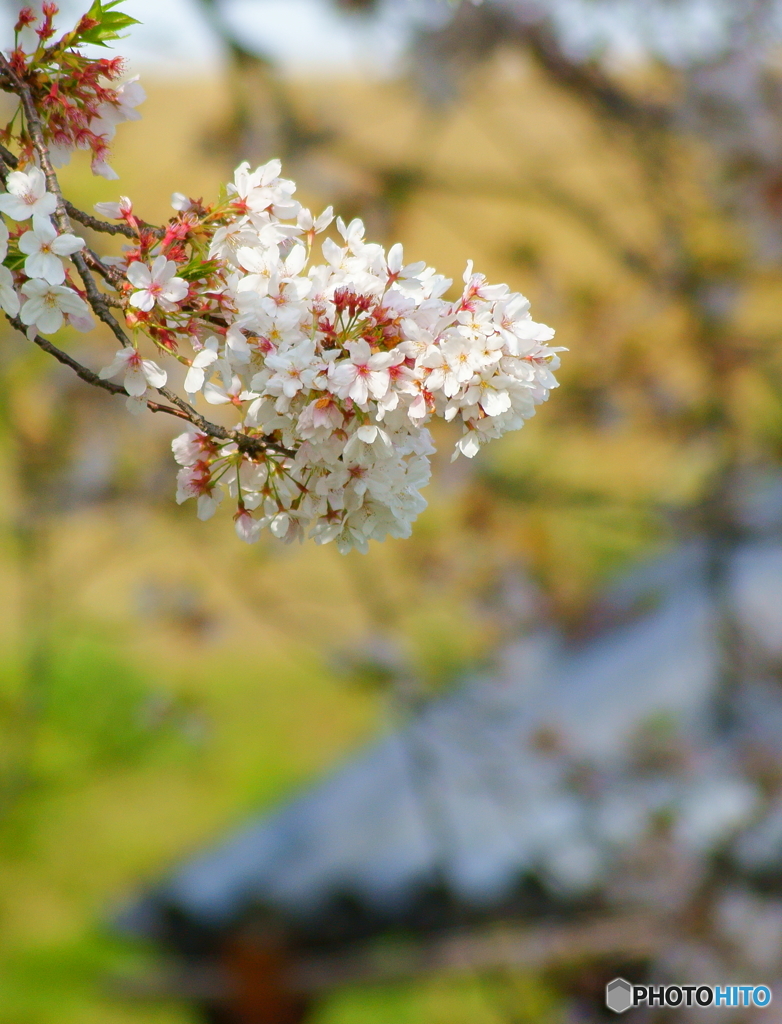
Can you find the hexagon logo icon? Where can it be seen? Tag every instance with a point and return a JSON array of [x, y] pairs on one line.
[[619, 995]]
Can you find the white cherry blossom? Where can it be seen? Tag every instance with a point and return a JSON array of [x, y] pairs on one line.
[[191, 446], [44, 247], [320, 418], [234, 392], [343, 362], [196, 482], [204, 363], [26, 194], [137, 373], [116, 211], [292, 372], [365, 373], [129, 96], [314, 225], [247, 528], [157, 284], [47, 305]]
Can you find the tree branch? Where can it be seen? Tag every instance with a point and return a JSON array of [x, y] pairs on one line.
[[589, 82], [102, 225], [83, 372], [111, 275], [82, 262], [251, 446], [9, 158]]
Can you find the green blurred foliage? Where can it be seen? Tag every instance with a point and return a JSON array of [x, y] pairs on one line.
[[159, 681], [487, 1000]]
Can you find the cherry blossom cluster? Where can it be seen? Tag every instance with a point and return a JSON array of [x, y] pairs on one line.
[[79, 101], [343, 363], [337, 365], [332, 353]]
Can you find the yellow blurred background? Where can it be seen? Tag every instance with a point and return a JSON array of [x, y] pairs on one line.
[[159, 681]]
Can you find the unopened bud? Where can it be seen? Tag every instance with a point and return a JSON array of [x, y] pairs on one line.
[[86, 24], [27, 16]]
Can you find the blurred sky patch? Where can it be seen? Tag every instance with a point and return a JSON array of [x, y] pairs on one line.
[[299, 35], [313, 36]]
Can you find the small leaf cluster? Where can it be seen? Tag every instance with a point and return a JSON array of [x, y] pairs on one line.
[[102, 23]]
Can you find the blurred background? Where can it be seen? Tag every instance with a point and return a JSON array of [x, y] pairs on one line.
[[469, 777]]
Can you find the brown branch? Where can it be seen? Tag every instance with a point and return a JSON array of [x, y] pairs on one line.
[[589, 82], [295, 135], [637, 937], [251, 446], [111, 229], [102, 225], [9, 158], [592, 218], [511, 191], [111, 275], [473, 35], [83, 372]]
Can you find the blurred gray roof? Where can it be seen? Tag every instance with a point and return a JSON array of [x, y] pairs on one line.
[[465, 794]]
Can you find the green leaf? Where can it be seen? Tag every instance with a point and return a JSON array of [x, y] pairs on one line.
[[110, 23], [14, 260], [196, 269]]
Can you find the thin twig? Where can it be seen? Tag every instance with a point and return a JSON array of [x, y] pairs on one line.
[[9, 158], [246, 443], [110, 275], [250, 446], [87, 375], [102, 225]]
